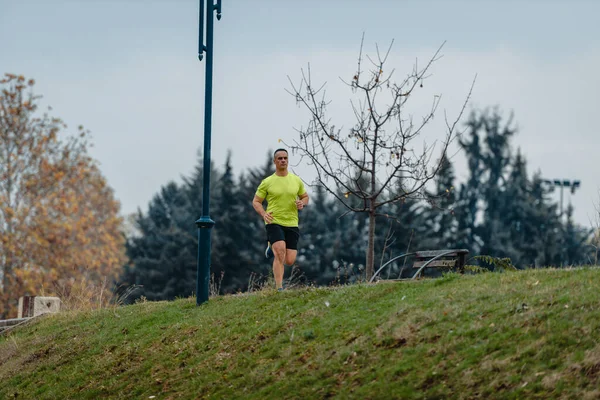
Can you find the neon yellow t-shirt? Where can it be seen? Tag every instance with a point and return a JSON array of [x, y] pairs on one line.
[[281, 193]]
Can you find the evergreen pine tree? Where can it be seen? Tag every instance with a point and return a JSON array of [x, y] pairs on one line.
[[496, 159], [488, 158], [470, 194], [402, 231], [574, 250], [228, 266], [163, 256], [319, 238], [440, 226], [524, 239]]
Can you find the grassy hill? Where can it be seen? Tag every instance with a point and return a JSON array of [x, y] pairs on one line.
[[529, 334]]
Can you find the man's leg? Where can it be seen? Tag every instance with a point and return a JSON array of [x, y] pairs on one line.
[[280, 257], [290, 257], [292, 235]]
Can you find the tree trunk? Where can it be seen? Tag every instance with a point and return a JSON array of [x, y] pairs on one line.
[[371, 247], [4, 296]]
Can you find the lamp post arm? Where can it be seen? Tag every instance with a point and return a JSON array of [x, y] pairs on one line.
[[201, 46], [218, 8]]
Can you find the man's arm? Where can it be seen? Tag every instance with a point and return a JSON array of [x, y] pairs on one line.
[[304, 198], [302, 202], [258, 207]]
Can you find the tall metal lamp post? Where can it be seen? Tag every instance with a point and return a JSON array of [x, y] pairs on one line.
[[563, 184], [205, 224]]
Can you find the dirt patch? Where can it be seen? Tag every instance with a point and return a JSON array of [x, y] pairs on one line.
[[16, 355], [550, 381], [591, 363], [591, 395], [490, 364], [8, 351], [391, 342]]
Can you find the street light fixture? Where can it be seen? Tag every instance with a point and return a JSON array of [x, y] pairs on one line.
[[205, 224], [574, 185]]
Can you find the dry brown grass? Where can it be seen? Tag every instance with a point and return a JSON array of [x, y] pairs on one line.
[[87, 295], [591, 363]]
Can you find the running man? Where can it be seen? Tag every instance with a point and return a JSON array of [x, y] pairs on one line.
[[285, 195]]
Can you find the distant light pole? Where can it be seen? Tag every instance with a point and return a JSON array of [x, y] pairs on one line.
[[562, 184], [205, 224]]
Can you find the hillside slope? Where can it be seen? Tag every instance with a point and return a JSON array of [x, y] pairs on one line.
[[528, 334]]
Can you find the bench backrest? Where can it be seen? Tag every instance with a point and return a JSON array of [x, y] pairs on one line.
[[449, 258]]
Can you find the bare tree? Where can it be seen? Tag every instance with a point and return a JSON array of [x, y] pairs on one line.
[[375, 162]]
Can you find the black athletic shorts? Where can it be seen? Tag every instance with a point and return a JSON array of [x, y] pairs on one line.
[[276, 233]]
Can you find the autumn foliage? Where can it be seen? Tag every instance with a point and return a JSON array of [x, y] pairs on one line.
[[59, 220]]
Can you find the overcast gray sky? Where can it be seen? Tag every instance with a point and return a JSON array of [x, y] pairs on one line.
[[128, 71]]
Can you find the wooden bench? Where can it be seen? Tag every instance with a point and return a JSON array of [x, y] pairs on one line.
[[435, 262], [30, 307], [430, 263]]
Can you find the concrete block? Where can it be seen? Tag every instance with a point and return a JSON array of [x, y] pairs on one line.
[[32, 306]]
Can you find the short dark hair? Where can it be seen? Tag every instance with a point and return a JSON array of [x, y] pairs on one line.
[[278, 150]]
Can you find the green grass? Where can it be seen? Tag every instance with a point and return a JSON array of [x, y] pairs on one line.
[[513, 335]]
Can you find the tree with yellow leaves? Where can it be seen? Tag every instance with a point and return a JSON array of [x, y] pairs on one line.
[[59, 222]]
